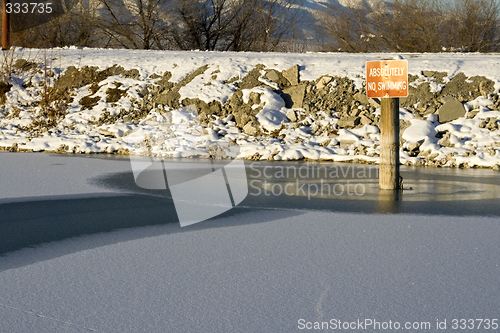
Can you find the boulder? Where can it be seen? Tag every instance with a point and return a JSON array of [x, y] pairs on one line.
[[273, 75], [292, 75], [348, 122], [365, 120], [362, 98], [106, 132], [492, 124], [414, 148], [445, 141], [291, 115], [374, 102], [451, 110], [251, 129], [323, 81], [294, 96], [428, 73]]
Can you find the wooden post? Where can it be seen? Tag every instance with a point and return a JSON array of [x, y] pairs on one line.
[[5, 26], [389, 144]]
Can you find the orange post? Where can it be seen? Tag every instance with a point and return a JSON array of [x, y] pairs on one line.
[[5, 26]]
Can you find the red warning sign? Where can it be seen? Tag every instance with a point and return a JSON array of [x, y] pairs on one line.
[[387, 78]]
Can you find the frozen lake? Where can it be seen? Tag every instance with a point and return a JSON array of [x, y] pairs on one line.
[[83, 248], [98, 194]]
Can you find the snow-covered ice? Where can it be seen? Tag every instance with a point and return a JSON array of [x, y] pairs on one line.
[[256, 272]]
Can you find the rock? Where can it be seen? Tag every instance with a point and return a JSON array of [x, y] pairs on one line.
[[251, 80], [323, 81], [365, 120], [429, 110], [326, 143], [251, 129], [433, 156], [466, 88], [294, 96], [362, 98], [420, 94], [105, 132], [355, 111], [428, 73], [292, 75], [496, 167], [445, 141], [374, 102], [346, 143], [88, 102], [490, 151], [424, 154], [348, 122], [113, 95], [485, 88], [451, 110], [414, 148], [291, 115], [273, 75], [492, 124], [4, 88], [254, 98], [170, 98], [25, 65]]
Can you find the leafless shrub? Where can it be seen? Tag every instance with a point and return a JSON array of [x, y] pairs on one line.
[[410, 26], [473, 26], [135, 24], [238, 25], [413, 26], [350, 27]]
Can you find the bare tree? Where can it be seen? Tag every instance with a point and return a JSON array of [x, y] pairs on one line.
[[413, 26], [410, 26], [350, 27], [277, 22], [133, 24], [75, 27], [201, 24], [238, 25], [242, 32], [473, 26]]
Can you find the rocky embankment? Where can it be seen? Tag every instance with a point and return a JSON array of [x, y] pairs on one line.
[[269, 114]]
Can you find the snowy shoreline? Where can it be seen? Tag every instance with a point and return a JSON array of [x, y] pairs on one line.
[[258, 106]]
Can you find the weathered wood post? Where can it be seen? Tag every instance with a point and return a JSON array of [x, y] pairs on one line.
[[5, 26], [389, 144], [388, 80]]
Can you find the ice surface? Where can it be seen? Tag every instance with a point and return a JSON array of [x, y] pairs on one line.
[[256, 272]]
